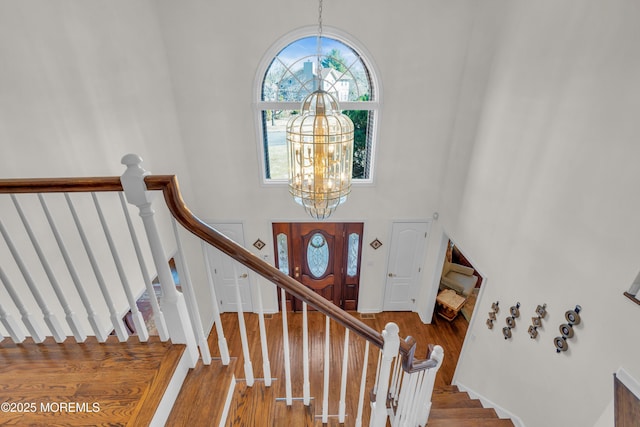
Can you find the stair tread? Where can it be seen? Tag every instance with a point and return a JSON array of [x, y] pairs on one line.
[[478, 422], [204, 388], [454, 400], [461, 413]]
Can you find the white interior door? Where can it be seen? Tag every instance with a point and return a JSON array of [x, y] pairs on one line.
[[406, 256], [226, 272]]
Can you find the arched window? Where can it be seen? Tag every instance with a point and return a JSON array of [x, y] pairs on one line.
[[288, 73]]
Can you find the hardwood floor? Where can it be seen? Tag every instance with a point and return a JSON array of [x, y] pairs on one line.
[[251, 405], [126, 380], [84, 384]]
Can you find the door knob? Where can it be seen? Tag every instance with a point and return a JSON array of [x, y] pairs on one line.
[[244, 276], [296, 272], [392, 275]]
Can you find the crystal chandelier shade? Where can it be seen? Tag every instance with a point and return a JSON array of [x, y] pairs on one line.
[[320, 149]]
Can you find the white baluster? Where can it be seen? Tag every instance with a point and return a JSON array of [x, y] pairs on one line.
[[116, 321], [158, 316], [363, 384], [343, 385], [190, 298], [437, 354], [138, 321], [405, 400], [327, 367], [222, 341], [389, 352], [248, 367], [94, 320], [266, 365], [72, 318], [173, 304], [375, 385], [285, 344], [11, 325], [306, 385], [49, 318], [418, 399], [37, 333], [394, 388]]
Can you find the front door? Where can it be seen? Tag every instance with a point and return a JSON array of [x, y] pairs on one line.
[[325, 257]]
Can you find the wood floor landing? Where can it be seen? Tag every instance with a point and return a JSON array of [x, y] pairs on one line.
[[71, 384]]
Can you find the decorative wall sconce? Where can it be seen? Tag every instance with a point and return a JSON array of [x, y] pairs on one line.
[[536, 322], [492, 314], [511, 320], [566, 329]]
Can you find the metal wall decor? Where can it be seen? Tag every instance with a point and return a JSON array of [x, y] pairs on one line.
[[536, 322], [492, 314], [511, 320], [566, 329]]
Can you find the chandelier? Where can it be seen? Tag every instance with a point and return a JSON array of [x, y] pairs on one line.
[[320, 148]]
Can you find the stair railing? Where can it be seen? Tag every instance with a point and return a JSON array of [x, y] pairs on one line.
[[403, 383], [87, 220], [409, 410]]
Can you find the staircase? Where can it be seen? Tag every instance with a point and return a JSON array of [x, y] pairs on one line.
[[453, 408], [323, 356]]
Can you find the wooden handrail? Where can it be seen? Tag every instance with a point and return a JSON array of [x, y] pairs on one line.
[[168, 184], [60, 185]]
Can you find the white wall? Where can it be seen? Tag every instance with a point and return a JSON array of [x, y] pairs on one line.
[[550, 206], [81, 84], [214, 49]]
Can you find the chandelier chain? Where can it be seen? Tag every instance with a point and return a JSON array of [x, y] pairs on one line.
[[319, 42]]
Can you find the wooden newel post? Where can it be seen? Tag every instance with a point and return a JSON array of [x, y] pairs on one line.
[[173, 303], [389, 352]]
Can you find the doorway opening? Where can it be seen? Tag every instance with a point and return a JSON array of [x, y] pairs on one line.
[[323, 256], [459, 287]]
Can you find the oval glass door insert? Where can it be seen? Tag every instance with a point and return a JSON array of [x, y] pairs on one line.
[[317, 255]]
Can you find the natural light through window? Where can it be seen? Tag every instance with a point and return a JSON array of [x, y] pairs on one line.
[[291, 75]]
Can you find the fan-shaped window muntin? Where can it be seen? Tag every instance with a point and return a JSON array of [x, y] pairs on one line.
[[290, 76]]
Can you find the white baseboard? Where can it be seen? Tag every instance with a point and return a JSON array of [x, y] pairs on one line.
[[631, 383], [502, 413], [171, 394]]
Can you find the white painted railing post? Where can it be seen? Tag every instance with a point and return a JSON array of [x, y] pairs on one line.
[[222, 341], [285, 349], [136, 315], [173, 304], [306, 385], [342, 406], [190, 298], [13, 327], [266, 364], [389, 352], [426, 389], [248, 366], [158, 316], [327, 367]]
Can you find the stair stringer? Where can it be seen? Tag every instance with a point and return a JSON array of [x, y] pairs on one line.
[[171, 393]]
